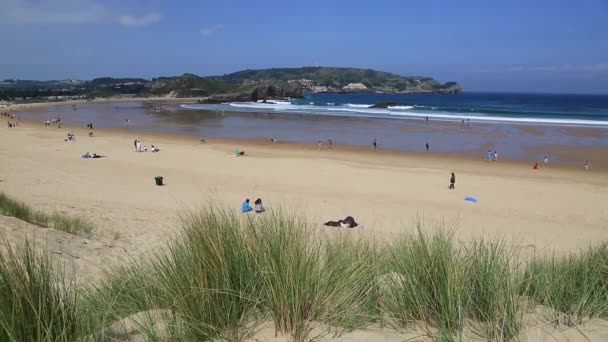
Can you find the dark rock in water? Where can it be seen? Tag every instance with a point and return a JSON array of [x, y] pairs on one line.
[[259, 92], [387, 104]]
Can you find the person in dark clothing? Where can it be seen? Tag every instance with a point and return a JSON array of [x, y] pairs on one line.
[[452, 180], [375, 144], [427, 145], [348, 222]]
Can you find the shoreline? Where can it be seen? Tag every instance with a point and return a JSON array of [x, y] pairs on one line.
[[346, 151]]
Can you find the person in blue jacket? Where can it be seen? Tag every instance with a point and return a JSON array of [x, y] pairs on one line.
[[246, 207]]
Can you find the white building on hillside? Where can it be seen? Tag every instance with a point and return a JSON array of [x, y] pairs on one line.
[[354, 87]]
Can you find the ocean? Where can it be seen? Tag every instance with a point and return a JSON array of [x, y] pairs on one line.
[[543, 109]]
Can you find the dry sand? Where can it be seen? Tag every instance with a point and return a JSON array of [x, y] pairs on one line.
[[558, 209]]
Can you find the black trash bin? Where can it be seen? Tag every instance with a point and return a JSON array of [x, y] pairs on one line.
[[159, 180]]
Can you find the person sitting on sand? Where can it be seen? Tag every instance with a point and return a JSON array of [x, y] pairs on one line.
[[259, 207], [154, 149], [90, 133], [535, 167], [145, 148], [246, 207], [86, 155], [203, 141], [239, 153]]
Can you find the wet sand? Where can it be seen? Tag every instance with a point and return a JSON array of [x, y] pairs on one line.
[[512, 141]]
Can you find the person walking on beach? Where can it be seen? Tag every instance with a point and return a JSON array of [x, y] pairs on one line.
[[495, 156], [331, 144], [427, 145], [586, 165], [452, 181], [138, 146], [489, 156], [375, 144], [546, 161], [135, 144]]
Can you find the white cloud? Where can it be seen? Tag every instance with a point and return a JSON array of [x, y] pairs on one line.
[[68, 12], [599, 67], [56, 11], [596, 67], [208, 31], [145, 20]]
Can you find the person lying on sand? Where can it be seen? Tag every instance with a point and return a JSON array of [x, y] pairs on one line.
[[94, 155], [348, 222], [154, 149], [237, 153]]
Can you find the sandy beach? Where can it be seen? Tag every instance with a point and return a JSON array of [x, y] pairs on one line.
[[553, 209], [556, 208]]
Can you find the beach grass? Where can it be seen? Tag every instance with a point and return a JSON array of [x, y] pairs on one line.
[[57, 220], [225, 275], [37, 301], [574, 286]]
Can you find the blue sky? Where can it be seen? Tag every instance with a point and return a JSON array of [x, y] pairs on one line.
[[533, 45]]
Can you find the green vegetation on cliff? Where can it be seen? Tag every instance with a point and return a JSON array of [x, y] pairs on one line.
[[340, 77], [239, 84]]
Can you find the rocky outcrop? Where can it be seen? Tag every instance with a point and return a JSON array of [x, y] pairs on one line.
[[259, 92]]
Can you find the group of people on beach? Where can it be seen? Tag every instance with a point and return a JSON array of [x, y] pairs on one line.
[[330, 144], [492, 156], [11, 116], [546, 163], [138, 147], [8, 115], [258, 206]]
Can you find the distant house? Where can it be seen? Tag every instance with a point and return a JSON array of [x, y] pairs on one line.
[[354, 87]]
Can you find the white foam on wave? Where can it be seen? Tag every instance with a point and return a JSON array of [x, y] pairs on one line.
[[354, 105], [396, 114], [400, 107], [274, 102]]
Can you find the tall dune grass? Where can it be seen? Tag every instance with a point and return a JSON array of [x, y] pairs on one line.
[[575, 285], [225, 274], [69, 224], [37, 303]]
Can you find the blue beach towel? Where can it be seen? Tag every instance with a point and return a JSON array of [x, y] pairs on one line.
[[471, 199]]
